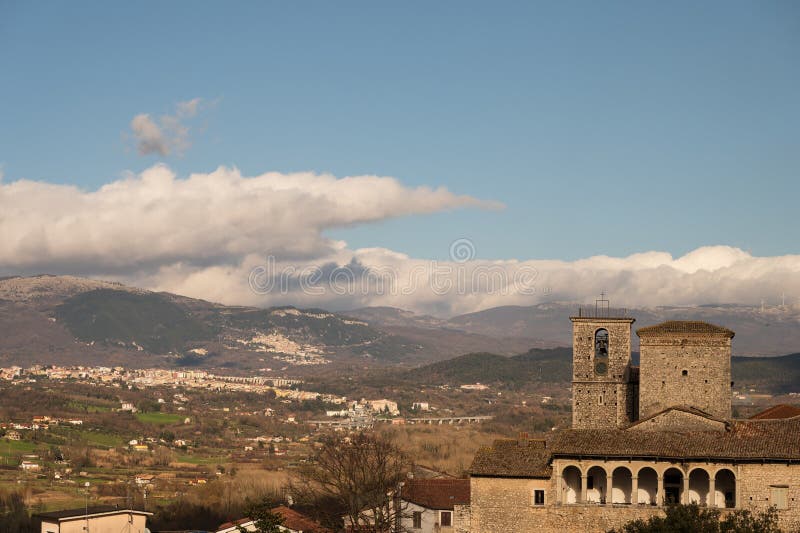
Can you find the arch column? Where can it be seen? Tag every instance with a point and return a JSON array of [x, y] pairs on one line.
[[609, 487], [559, 489], [685, 494], [634, 490], [584, 483], [660, 491], [712, 491]]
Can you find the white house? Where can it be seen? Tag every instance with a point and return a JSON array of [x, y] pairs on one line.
[[29, 466], [428, 504], [383, 406], [100, 519]]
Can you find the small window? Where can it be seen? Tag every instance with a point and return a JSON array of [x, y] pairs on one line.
[[446, 519], [685, 373], [417, 518], [779, 497], [538, 497]]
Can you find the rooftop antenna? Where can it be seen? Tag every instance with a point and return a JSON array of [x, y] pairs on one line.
[[601, 305]]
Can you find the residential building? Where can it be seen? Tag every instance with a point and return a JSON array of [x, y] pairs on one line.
[[428, 505], [100, 519]]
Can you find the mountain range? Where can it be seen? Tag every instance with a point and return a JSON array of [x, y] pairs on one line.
[[70, 320], [778, 375]]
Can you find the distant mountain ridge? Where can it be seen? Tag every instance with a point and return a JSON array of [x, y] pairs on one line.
[[76, 321], [779, 375], [773, 331], [67, 320], [71, 320], [549, 365]]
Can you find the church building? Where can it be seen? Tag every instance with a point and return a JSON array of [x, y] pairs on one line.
[[642, 437]]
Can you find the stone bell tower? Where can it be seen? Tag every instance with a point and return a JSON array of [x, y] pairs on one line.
[[604, 383]]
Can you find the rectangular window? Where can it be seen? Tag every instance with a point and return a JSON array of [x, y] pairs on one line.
[[538, 497], [446, 519], [417, 517], [779, 496]]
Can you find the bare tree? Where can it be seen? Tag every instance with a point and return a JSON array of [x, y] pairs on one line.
[[352, 483]]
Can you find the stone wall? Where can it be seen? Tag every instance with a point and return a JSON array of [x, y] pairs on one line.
[[692, 370], [506, 504], [461, 519], [755, 493], [503, 505], [601, 400]]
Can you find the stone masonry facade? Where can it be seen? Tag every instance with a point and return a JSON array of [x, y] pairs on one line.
[[642, 438], [685, 368], [604, 394]]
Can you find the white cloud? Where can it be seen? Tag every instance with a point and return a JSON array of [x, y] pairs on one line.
[[203, 236], [154, 219], [169, 134], [447, 288]]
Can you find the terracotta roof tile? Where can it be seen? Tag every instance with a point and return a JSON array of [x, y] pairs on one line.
[[682, 408], [299, 522], [683, 327], [438, 493], [513, 458], [228, 525], [745, 440], [777, 411]]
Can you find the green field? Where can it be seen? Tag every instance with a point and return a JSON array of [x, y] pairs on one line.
[[87, 407], [159, 418], [101, 439], [203, 460], [14, 447]]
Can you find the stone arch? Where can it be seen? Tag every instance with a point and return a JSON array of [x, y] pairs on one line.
[[601, 342], [699, 486], [571, 484], [621, 485], [647, 492], [596, 485], [725, 488], [673, 485]]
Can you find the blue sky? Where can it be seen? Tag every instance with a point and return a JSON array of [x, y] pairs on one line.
[[604, 127]]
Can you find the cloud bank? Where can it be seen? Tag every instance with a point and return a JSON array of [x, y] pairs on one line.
[[261, 240]]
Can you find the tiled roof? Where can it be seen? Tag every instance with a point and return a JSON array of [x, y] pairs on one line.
[[513, 458], [228, 525], [745, 440], [439, 493], [777, 411], [682, 408], [299, 522], [682, 327]]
